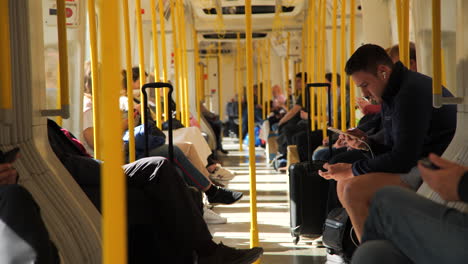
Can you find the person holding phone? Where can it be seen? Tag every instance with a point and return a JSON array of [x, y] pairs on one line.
[[404, 227], [23, 235]]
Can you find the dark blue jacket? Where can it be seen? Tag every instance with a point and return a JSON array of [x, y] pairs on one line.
[[413, 128]]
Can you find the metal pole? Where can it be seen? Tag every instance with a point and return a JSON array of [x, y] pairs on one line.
[[128, 62], [114, 216], [343, 62], [157, 100], [250, 106]]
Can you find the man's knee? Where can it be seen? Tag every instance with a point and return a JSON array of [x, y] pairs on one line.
[[378, 251], [351, 191]]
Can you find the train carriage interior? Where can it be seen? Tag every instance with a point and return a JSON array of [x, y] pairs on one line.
[[224, 80]]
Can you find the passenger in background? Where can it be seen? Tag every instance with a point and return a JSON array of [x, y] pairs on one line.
[[23, 234], [394, 53], [217, 126], [258, 118], [404, 227], [412, 129], [288, 125]]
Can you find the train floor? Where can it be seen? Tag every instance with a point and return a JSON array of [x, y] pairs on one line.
[[273, 212]]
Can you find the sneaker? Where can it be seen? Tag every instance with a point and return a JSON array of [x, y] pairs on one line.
[[213, 218], [334, 259], [219, 183], [224, 196], [222, 174], [229, 255]]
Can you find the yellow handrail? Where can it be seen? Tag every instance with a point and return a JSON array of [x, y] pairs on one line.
[[163, 54], [250, 107], [352, 88], [157, 99], [94, 77], [334, 68], [436, 55], [220, 80], [177, 81], [303, 66], [405, 10], [343, 62], [198, 73], [286, 69], [128, 67], [114, 216], [59, 119], [268, 74], [183, 37], [6, 95], [207, 91], [240, 90], [322, 74], [312, 71], [63, 59], [141, 54]]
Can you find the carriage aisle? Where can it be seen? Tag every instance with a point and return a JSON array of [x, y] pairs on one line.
[[273, 212]]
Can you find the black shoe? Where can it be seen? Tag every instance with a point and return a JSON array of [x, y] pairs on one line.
[[229, 255], [224, 196]]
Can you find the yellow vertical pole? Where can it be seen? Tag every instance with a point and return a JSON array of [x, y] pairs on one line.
[[63, 58], [286, 69], [319, 66], [405, 10], [323, 63], [163, 54], [260, 79], [6, 95], [343, 62], [352, 88], [114, 223], [303, 64], [250, 107], [59, 103], [268, 73], [94, 77], [240, 90], [183, 37], [312, 71], [220, 80], [177, 84], [156, 62], [436, 47], [128, 66], [198, 72], [207, 88], [334, 68], [141, 53]]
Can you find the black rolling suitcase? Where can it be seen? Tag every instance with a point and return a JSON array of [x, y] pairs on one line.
[[308, 191], [147, 114]]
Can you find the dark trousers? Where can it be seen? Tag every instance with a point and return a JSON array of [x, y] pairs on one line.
[[286, 134], [303, 144], [20, 213], [217, 127], [164, 221]]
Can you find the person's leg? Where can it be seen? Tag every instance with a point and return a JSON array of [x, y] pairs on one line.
[[425, 231], [194, 136], [324, 154], [379, 251], [20, 213], [302, 143], [191, 174], [357, 192]]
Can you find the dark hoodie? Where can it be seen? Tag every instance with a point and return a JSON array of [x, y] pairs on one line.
[[413, 128]]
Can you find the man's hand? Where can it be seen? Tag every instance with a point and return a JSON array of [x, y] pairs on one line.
[[445, 180], [340, 143], [337, 172], [8, 174]]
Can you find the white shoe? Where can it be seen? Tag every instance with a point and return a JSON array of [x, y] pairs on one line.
[[213, 218], [222, 174], [334, 259]]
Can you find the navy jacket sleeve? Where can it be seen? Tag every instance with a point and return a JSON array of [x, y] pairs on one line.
[[410, 122], [463, 188]]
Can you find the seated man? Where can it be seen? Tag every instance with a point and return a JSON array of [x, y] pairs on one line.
[[412, 129], [23, 235], [160, 209], [404, 227]]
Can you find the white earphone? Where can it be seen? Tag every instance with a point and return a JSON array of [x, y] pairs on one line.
[[384, 74]]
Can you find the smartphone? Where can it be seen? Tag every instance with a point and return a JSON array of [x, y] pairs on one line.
[[338, 131], [9, 156], [428, 164]]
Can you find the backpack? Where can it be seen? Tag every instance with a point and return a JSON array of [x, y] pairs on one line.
[[338, 237]]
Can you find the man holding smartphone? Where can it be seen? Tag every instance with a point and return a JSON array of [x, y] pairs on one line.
[[404, 227]]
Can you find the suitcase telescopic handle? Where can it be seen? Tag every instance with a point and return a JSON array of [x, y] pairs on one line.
[[169, 111], [309, 121]]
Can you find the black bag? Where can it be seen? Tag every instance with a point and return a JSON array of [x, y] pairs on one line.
[[147, 114], [308, 192], [337, 234]]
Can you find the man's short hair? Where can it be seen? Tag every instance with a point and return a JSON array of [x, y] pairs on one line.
[[395, 51], [367, 58], [299, 75]]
